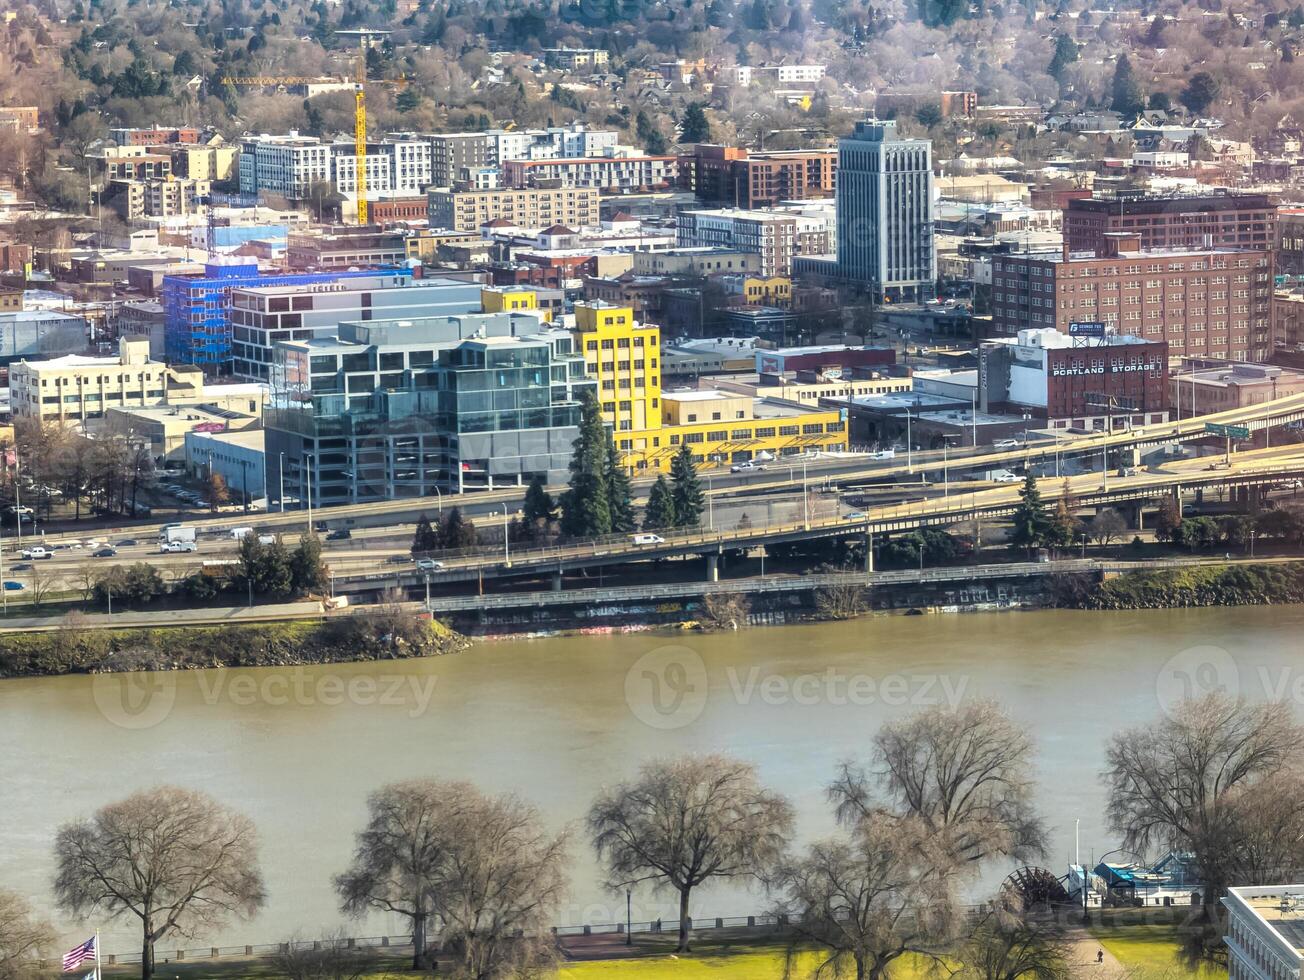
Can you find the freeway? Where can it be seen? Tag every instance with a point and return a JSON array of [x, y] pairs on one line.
[[784, 473], [1256, 468]]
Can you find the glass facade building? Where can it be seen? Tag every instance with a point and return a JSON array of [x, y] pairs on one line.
[[405, 408]]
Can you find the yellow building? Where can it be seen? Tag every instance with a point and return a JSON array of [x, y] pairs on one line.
[[625, 358], [721, 427], [761, 290], [510, 299]]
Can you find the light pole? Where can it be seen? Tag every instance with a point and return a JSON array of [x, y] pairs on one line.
[[507, 539], [439, 502], [710, 505], [910, 459], [629, 924], [307, 464], [281, 471], [805, 496]]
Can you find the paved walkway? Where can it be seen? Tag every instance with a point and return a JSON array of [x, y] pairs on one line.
[[1083, 951]]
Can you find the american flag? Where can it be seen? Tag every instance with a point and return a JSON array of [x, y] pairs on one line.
[[76, 957]]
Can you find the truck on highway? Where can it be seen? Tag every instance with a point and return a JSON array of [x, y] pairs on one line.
[[176, 537]]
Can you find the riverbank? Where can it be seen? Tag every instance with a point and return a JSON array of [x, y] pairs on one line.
[[383, 635], [1192, 587]]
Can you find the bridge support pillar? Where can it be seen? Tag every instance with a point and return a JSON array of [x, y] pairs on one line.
[[713, 568], [556, 580], [869, 552]]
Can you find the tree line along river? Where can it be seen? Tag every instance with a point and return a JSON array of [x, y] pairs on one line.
[[299, 749]]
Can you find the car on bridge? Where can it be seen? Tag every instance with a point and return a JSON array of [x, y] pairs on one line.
[[108, 551], [429, 565], [638, 540], [748, 466], [37, 552]]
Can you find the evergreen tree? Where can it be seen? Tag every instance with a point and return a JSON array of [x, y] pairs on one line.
[[1030, 523], [426, 537], [307, 570], [539, 505], [1066, 52], [1127, 97], [585, 510], [619, 500], [1200, 92], [457, 531], [660, 510], [649, 134], [686, 490], [696, 127]]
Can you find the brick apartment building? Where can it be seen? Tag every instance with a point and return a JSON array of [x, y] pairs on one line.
[[153, 136], [1213, 221], [1203, 302], [730, 175]]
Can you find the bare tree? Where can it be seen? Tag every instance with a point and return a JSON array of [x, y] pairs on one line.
[[840, 601], [1106, 526], [864, 899], [481, 869], [1178, 783], [965, 773], [687, 820], [23, 938], [39, 587], [1006, 945], [504, 882], [331, 958], [402, 853], [175, 858]]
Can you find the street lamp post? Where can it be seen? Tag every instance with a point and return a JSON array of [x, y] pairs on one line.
[[307, 465], [910, 459], [710, 505], [281, 472], [507, 539]]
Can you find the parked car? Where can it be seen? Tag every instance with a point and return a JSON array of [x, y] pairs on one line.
[[339, 534], [106, 552], [429, 565]]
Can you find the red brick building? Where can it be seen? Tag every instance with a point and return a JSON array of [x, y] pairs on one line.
[[153, 137], [397, 209], [1208, 303], [730, 175], [1213, 221]]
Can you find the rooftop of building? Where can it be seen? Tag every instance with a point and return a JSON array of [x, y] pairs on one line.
[[732, 346], [739, 214], [1279, 907], [255, 439], [1236, 373]]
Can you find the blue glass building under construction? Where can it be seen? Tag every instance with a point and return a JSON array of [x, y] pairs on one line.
[[197, 309]]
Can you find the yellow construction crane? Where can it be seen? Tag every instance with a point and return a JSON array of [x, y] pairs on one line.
[[360, 130], [360, 105]]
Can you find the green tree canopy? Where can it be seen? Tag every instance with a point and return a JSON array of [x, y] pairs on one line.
[[686, 489], [660, 510], [1030, 524]]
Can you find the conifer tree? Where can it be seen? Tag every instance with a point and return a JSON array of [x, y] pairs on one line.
[[686, 490]]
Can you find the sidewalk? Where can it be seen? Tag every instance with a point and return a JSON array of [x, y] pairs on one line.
[[1083, 950]]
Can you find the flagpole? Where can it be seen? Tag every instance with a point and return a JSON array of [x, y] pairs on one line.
[[98, 975]]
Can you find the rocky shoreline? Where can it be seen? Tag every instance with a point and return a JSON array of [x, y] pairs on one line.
[[381, 636]]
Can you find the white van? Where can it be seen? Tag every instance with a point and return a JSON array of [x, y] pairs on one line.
[[641, 539]]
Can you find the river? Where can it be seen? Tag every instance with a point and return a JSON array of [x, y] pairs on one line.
[[298, 750]]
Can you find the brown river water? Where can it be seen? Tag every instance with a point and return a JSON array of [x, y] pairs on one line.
[[298, 749]]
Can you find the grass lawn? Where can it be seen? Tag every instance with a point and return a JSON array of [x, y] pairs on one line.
[[1151, 950], [738, 963]]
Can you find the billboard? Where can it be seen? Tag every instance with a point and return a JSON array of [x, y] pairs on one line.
[[1086, 329]]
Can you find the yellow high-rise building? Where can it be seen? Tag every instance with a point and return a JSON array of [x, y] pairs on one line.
[[625, 358]]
